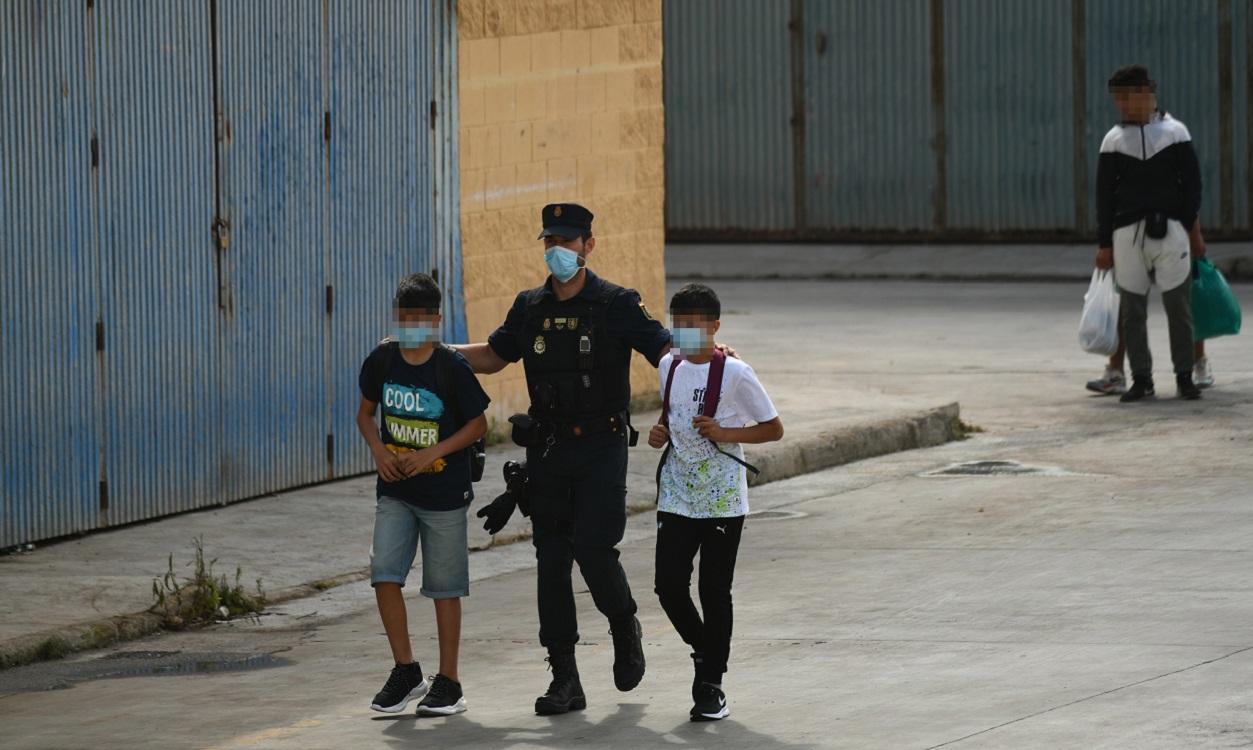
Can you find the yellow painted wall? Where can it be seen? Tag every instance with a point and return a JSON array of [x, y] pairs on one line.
[[560, 101]]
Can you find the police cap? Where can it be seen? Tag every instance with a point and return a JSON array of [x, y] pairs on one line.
[[569, 220]]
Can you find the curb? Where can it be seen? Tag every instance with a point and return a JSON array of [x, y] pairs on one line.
[[1236, 269], [803, 455], [845, 445]]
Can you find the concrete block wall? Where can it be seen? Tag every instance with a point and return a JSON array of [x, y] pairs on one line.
[[560, 101]]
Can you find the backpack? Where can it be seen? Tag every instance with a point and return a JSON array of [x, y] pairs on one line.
[[446, 388], [713, 392]]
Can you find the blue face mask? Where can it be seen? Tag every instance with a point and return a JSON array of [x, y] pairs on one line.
[[688, 340], [411, 337], [562, 262]]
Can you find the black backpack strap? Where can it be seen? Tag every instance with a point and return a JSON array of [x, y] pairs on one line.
[[446, 382], [383, 361]]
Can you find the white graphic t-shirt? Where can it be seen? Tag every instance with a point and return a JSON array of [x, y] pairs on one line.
[[697, 481]]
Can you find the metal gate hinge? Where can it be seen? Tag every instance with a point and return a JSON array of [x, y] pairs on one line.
[[326, 126], [330, 449], [434, 112], [330, 299], [99, 335], [95, 151], [222, 233]]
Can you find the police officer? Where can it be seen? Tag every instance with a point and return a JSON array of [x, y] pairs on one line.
[[574, 335]]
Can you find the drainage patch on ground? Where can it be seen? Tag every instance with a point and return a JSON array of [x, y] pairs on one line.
[[775, 515], [998, 468], [64, 674]]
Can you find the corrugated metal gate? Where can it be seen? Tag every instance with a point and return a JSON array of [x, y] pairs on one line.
[[936, 119], [206, 207]]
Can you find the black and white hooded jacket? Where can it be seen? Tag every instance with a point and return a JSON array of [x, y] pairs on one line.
[[1144, 169]]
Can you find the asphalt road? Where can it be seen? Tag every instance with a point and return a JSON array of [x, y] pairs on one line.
[[1090, 590]]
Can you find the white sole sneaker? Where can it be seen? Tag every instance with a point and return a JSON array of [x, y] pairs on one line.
[[417, 694], [456, 708], [724, 713]]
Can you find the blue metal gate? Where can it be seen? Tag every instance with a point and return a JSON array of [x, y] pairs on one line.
[[206, 208], [49, 300]]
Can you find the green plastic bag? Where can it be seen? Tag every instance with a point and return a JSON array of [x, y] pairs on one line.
[[1215, 310]]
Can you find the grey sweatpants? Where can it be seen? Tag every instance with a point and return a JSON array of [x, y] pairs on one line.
[[1134, 310]]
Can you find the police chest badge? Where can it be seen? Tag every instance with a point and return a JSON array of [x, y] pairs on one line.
[[540, 345]]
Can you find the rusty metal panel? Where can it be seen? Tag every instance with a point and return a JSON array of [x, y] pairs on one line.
[[728, 97], [154, 192], [49, 436], [1009, 128], [273, 172], [380, 92], [869, 161], [1179, 44]]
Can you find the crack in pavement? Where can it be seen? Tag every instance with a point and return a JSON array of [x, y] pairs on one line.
[[1092, 697]]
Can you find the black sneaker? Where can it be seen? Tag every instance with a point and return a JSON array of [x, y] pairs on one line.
[[565, 692], [711, 703], [1140, 388], [1187, 389], [628, 655], [443, 699], [403, 685]]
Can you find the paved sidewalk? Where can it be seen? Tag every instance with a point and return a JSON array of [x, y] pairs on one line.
[[302, 540]]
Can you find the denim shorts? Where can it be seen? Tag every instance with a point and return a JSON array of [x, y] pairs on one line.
[[400, 527]]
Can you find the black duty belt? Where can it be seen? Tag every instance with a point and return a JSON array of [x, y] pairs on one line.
[[620, 422]]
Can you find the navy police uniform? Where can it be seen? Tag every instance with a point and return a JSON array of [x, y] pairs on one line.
[[577, 356]]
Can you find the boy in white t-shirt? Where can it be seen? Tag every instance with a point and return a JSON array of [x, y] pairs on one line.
[[702, 485]]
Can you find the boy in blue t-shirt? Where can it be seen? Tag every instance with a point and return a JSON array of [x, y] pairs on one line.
[[432, 414]]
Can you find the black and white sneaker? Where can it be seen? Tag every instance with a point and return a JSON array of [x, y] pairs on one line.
[[444, 698], [711, 703], [403, 685]]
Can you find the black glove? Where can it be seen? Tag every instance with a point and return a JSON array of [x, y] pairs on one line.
[[515, 481], [498, 512]]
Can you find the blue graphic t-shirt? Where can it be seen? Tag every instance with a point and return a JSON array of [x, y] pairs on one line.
[[414, 416]]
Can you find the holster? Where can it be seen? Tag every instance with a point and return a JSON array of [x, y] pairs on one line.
[[1156, 224]]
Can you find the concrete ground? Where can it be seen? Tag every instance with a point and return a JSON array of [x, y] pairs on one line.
[[882, 261], [1098, 599]]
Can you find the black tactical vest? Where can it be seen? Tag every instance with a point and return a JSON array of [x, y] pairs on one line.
[[574, 369]]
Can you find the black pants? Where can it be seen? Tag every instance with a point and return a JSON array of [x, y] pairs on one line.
[[1134, 310], [679, 538], [578, 512]]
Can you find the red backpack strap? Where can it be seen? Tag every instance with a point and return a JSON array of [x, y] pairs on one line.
[[665, 400], [713, 385]]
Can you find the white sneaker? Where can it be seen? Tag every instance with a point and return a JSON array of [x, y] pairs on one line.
[[1202, 375], [1112, 383]]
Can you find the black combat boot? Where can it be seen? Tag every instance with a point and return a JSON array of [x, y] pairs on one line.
[[565, 693], [1187, 389], [1141, 387], [628, 655]]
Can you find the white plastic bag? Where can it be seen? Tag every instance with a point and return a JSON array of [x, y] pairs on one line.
[[1098, 327]]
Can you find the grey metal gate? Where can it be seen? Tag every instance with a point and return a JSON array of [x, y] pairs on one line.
[[936, 119]]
